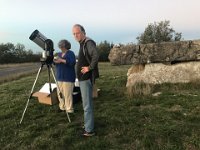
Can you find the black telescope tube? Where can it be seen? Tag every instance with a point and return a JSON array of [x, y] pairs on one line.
[[34, 35]]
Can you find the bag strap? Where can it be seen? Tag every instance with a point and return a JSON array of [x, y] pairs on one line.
[[85, 52]]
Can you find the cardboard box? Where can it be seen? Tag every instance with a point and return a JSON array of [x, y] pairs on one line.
[[45, 97]]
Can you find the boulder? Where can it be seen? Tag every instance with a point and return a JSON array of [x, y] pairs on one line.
[[166, 52], [159, 73]]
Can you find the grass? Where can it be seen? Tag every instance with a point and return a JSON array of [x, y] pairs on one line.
[[17, 75], [2, 66], [169, 121]]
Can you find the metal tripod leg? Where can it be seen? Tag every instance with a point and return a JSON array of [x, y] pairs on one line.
[[61, 96], [49, 78], [39, 71]]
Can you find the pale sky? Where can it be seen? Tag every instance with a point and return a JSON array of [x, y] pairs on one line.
[[117, 21]]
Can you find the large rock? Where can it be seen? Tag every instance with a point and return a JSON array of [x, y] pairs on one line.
[[167, 52], [159, 73]]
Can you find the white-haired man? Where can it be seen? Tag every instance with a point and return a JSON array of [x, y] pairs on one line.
[[87, 72]]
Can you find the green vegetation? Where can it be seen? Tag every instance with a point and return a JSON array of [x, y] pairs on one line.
[[104, 50], [168, 121], [10, 53], [159, 32]]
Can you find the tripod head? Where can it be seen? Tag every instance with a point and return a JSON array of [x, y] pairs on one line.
[[46, 44]]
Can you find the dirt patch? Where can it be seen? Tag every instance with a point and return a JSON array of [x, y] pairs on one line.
[[175, 108]]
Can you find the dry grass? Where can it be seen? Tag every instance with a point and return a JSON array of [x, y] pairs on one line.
[[3, 66], [139, 89], [16, 76]]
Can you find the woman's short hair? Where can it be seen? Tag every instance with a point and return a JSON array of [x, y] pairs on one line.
[[64, 43]]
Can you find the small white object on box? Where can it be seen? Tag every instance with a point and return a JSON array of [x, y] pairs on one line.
[[45, 88], [44, 95]]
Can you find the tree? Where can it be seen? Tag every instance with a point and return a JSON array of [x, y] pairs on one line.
[[104, 50], [6, 52], [10, 53], [159, 32]]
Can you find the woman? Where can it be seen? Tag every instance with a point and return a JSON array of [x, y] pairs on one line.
[[65, 74]]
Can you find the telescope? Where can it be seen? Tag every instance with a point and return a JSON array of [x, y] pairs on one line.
[[47, 59], [44, 43]]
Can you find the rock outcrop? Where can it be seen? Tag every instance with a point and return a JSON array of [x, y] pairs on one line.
[[170, 62], [159, 73], [166, 52]]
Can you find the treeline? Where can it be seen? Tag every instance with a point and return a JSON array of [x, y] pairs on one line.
[[104, 50], [10, 53]]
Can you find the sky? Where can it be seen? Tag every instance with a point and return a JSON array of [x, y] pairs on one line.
[[117, 21]]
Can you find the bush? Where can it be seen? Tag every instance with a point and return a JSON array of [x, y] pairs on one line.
[[159, 32], [104, 50]]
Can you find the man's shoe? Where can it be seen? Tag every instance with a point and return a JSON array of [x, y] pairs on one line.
[[88, 134]]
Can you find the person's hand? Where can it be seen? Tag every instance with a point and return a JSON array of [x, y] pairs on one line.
[[85, 70], [58, 61]]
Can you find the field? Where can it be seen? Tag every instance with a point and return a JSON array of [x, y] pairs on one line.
[[9, 72], [169, 121]]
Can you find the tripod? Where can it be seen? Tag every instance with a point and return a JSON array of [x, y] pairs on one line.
[[49, 67]]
